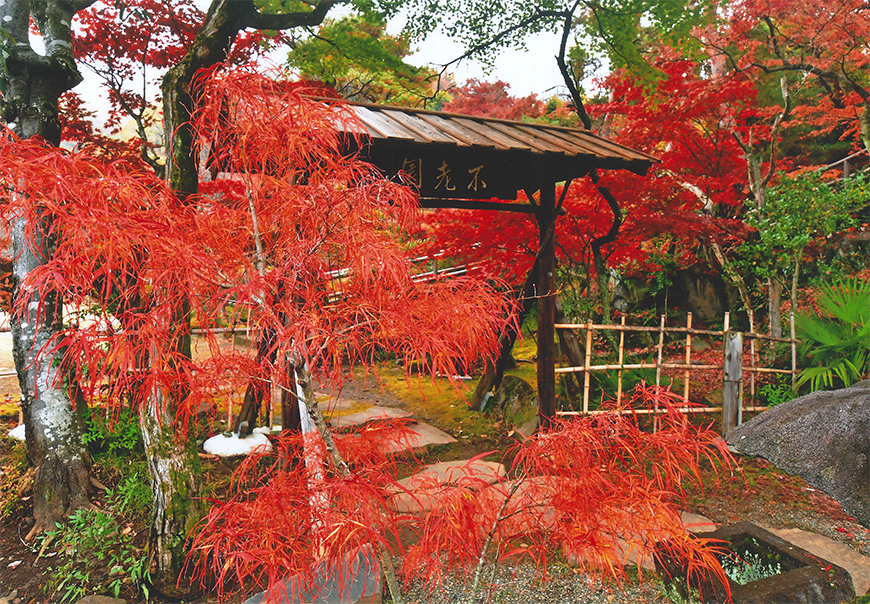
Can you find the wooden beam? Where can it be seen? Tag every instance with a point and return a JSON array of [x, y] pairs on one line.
[[547, 303], [468, 204]]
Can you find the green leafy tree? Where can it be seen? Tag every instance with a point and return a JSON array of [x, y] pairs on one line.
[[357, 57], [796, 211]]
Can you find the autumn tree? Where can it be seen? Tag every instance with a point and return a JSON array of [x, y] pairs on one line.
[[32, 85], [492, 99], [808, 64], [267, 241]]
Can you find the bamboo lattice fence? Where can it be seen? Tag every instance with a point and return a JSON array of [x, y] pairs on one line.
[[687, 366]]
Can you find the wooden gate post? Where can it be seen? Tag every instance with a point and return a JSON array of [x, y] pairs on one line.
[[733, 381]]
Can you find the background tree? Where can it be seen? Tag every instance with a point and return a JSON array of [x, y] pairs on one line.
[[357, 57]]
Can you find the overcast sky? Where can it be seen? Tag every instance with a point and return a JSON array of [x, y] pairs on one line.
[[532, 71]]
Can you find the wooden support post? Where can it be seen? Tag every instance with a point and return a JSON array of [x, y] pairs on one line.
[[687, 373], [752, 358], [733, 380], [547, 303]]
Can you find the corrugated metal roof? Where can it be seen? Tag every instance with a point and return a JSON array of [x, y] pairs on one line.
[[406, 125]]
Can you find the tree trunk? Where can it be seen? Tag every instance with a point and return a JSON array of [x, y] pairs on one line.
[[774, 304], [176, 487], [54, 433], [34, 84], [494, 371]]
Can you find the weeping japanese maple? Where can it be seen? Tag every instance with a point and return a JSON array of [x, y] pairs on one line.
[[296, 236]]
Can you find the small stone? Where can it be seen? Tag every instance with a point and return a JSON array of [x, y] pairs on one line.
[[95, 599]]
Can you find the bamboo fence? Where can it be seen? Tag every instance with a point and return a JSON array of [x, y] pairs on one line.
[[688, 367]]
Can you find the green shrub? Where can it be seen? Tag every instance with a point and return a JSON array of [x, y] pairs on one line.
[[92, 541], [836, 342]]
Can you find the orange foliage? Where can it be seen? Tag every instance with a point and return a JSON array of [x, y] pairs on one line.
[[588, 490]]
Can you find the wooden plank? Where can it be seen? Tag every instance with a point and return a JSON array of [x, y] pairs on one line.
[[463, 204], [420, 127], [468, 137], [384, 126], [500, 140], [532, 138]]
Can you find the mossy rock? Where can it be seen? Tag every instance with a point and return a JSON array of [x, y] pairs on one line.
[[517, 401]]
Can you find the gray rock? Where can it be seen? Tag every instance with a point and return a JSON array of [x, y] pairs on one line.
[[824, 437], [357, 583]]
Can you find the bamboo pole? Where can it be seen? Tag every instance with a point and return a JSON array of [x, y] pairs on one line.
[[649, 411], [586, 364], [641, 328], [659, 368], [621, 360], [647, 366], [751, 359], [688, 356]]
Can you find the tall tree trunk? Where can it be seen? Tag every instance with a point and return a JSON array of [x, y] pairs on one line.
[[53, 430], [493, 373], [34, 84], [774, 306]]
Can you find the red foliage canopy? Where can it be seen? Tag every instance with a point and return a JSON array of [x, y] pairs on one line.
[[265, 243]]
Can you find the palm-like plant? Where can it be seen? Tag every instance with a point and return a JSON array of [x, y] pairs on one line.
[[837, 341]]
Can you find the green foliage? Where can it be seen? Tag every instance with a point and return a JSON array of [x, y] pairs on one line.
[[836, 342], [362, 61], [89, 542], [12, 475], [749, 567], [118, 436], [620, 30], [797, 211], [777, 393]]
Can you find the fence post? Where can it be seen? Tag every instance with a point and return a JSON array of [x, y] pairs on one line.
[[733, 379]]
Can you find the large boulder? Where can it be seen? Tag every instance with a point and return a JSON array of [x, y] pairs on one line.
[[824, 437]]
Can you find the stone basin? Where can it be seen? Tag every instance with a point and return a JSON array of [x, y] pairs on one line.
[[802, 578]]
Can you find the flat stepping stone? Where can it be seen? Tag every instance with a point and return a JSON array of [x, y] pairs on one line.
[[423, 497], [233, 446], [857, 565], [421, 436], [373, 413], [696, 523]]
